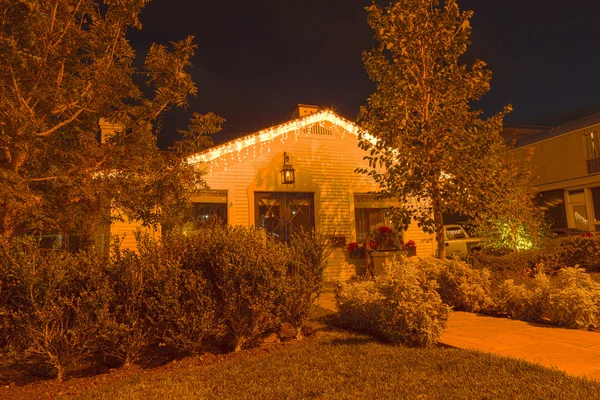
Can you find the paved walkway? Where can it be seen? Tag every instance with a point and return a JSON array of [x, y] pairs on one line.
[[573, 351]]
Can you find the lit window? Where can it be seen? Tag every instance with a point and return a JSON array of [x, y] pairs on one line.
[[210, 206], [369, 214]]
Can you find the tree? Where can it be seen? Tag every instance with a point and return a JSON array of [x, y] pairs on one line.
[[515, 222], [427, 147], [65, 65]]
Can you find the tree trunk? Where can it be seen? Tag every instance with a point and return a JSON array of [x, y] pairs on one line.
[[369, 263], [438, 220]]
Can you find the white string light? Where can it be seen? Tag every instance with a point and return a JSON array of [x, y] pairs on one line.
[[267, 135]]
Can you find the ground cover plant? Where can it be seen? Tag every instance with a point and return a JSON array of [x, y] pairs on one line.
[[331, 364]]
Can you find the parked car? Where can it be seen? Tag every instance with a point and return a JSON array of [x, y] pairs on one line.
[[458, 241]]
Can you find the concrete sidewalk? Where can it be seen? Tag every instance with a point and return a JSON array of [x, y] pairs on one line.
[[573, 351]]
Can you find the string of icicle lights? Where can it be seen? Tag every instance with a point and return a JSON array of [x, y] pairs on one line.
[[262, 138]]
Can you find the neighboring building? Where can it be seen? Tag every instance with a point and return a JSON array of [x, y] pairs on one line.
[[566, 159], [246, 181]]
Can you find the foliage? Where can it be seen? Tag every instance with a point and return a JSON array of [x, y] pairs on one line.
[[309, 255], [427, 148], [517, 265], [186, 312], [54, 303], [66, 64], [575, 300], [522, 302], [516, 222], [577, 251], [571, 299], [459, 285], [582, 251], [246, 272], [136, 286], [232, 284], [402, 305]]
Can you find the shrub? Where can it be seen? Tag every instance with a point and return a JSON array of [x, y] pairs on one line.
[[246, 271], [523, 302], [402, 305], [459, 285], [304, 277], [56, 302], [571, 299], [517, 266], [582, 251], [187, 311], [137, 282], [575, 300]]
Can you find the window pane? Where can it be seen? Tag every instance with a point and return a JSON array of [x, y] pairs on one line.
[[204, 212], [596, 202], [581, 218], [366, 219], [553, 204], [455, 233]]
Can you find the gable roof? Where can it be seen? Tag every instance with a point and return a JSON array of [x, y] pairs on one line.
[[266, 135], [558, 130]]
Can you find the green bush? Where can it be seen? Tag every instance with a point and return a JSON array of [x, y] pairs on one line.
[[54, 301], [304, 278], [131, 325], [246, 271], [518, 266], [187, 311], [523, 302], [574, 300], [459, 285], [232, 284], [581, 251], [571, 299], [401, 305]]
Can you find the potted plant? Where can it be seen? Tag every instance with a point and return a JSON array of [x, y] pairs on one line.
[[356, 251], [385, 239], [411, 246]]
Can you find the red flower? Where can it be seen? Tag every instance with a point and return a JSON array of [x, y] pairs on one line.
[[384, 230], [352, 246], [411, 243], [373, 244], [587, 235]]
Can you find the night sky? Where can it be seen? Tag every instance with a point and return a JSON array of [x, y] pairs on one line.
[[257, 59]]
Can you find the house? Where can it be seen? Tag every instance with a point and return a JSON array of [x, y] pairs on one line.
[[566, 161], [299, 174]]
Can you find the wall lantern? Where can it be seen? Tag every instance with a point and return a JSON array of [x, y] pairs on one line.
[[288, 175]]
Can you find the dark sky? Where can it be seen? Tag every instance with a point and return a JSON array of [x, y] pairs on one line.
[[257, 59]]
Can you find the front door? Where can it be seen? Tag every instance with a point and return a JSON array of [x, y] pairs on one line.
[[282, 214]]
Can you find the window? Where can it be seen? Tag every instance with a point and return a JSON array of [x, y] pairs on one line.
[[553, 204], [206, 207], [592, 144], [578, 209], [596, 202], [456, 232], [366, 219], [370, 213], [282, 214]]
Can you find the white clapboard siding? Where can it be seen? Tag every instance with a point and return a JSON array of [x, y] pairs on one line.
[[324, 158], [324, 165]]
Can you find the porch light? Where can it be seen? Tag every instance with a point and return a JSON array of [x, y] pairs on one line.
[[288, 174]]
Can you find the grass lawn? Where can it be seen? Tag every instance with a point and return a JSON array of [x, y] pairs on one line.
[[343, 365]]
